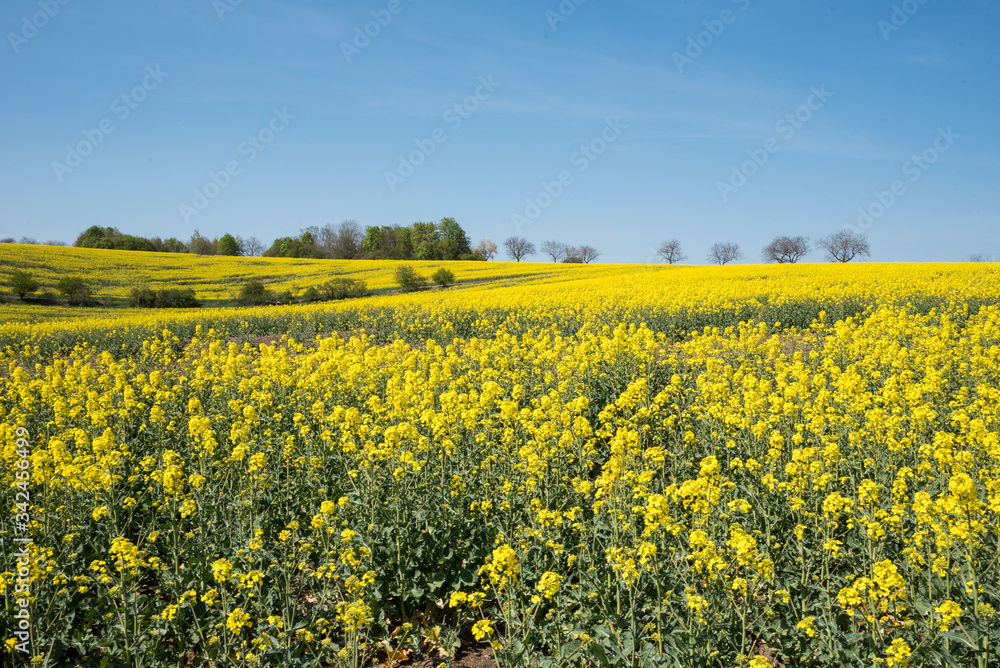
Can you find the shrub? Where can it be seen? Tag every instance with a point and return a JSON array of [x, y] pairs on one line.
[[344, 288], [141, 297], [408, 278], [472, 257], [312, 295], [443, 277], [75, 289], [22, 283], [253, 293], [180, 298]]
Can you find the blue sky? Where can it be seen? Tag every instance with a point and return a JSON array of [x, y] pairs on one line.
[[648, 111]]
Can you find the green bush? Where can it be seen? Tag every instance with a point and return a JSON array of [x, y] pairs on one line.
[[142, 297], [253, 293], [76, 290], [408, 278], [344, 288], [181, 298], [443, 277], [311, 295], [21, 283]]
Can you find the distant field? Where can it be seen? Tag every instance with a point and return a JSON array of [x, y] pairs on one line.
[[217, 277], [489, 296]]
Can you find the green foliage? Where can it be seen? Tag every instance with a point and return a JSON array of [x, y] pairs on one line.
[[408, 278], [179, 298], [75, 289], [110, 238], [445, 240], [227, 245], [22, 283], [443, 277], [454, 240], [254, 293], [311, 295], [303, 246], [143, 297], [344, 288]]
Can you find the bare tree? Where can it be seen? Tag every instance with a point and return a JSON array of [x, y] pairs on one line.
[[325, 238], [980, 257], [518, 247], [557, 250], [786, 250], [845, 245], [588, 254], [724, 253], [253, 247], [670, 252], [347, 241], [487, 248]]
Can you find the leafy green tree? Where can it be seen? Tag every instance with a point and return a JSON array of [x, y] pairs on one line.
[[426, 241], [228, 245], [389, 243], [22, 283], [443, 277], [93, 234], [344, 288], [253, 293], [454, 240], [408, 278], [75, 289]]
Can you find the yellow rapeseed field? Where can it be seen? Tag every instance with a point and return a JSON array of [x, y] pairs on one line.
[[584, 466]]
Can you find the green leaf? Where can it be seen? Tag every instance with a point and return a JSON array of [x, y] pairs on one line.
[[958, 638]]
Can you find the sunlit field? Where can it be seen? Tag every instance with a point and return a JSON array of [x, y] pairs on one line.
[[575, 465]]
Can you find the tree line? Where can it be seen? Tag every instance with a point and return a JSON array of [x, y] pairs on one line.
[[841, 246], [444, 240]]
